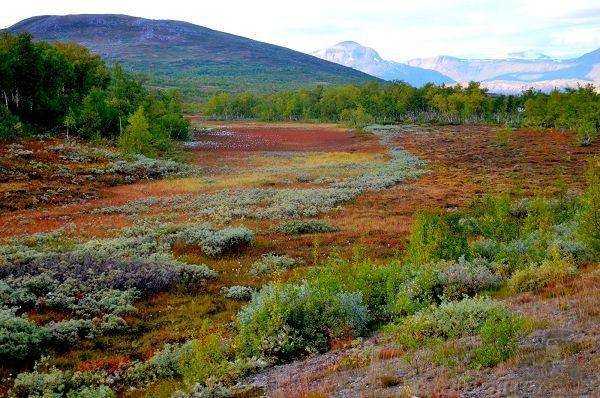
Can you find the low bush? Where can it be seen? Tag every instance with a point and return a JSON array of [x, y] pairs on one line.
[[298, 227], [10, 125], [141, 167], [449, 320], [68, 333], [286, 321], [378, 285], [164, 364], [590, 216], [467, 278], [435, 237], [272, 263], [536, 277], [199, 390], [58, 383], [498, 340], [206, 361], [216, 243], [241, 293], [228, 241], [20, 339]]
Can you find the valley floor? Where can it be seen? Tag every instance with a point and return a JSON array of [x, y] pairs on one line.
[[274, 160]]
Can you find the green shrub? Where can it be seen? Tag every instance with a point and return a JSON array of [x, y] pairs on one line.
[[449, 320], [498, 340], [58, 383], [536, 277], [356, 118], [206, 361], [298, 227], [137, 139], [378, 285], [10, 126], [590, 216], [291, 320], [20, 339], [437, 237], [495, 217]]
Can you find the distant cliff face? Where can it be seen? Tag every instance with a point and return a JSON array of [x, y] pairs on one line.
[[198, 55], [366, 59]]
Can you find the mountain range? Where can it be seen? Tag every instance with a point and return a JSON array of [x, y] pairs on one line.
[[192, 58], [365, 59], [515, 73]]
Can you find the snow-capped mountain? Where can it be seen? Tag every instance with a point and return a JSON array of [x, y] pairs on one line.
[[519, 71], [528, 54], [365, 59]]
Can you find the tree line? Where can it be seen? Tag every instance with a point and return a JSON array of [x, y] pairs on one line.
[[63, 87], [397, 102]]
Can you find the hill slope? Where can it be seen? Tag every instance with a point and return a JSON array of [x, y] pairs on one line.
[[191, 57], [366, 59]]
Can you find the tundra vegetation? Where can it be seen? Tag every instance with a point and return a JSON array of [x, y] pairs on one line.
[[242, 267]]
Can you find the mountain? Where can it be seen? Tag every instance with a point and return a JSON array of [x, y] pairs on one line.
[[531, 55], [521, 70], [366, 59], [191, 57]]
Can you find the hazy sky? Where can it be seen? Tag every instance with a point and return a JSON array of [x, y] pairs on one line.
[[398, 29]]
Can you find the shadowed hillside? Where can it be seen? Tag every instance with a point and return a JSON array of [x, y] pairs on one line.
[[193, 58]]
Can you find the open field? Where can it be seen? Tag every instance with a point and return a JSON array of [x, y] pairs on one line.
[[363, 187]]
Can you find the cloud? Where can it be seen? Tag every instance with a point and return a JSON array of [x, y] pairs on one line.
[[398, 29]]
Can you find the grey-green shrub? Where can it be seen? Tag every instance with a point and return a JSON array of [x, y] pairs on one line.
[[286, 321], [165, 364], [241, 293], [58, 383], [20, 338], [450, 320], [271, 263], [215, 243], [69, 332], [467, 278]]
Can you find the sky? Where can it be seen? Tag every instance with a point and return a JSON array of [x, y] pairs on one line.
[[397, 29]]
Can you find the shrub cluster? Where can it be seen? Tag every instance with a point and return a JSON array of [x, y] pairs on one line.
[[272, 263], [19, 337], [497, 327], [298, 227], [453, 256], [58, 383], [536, 277], [216, 243], [240, 293], [285, 321], [94, 283]]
